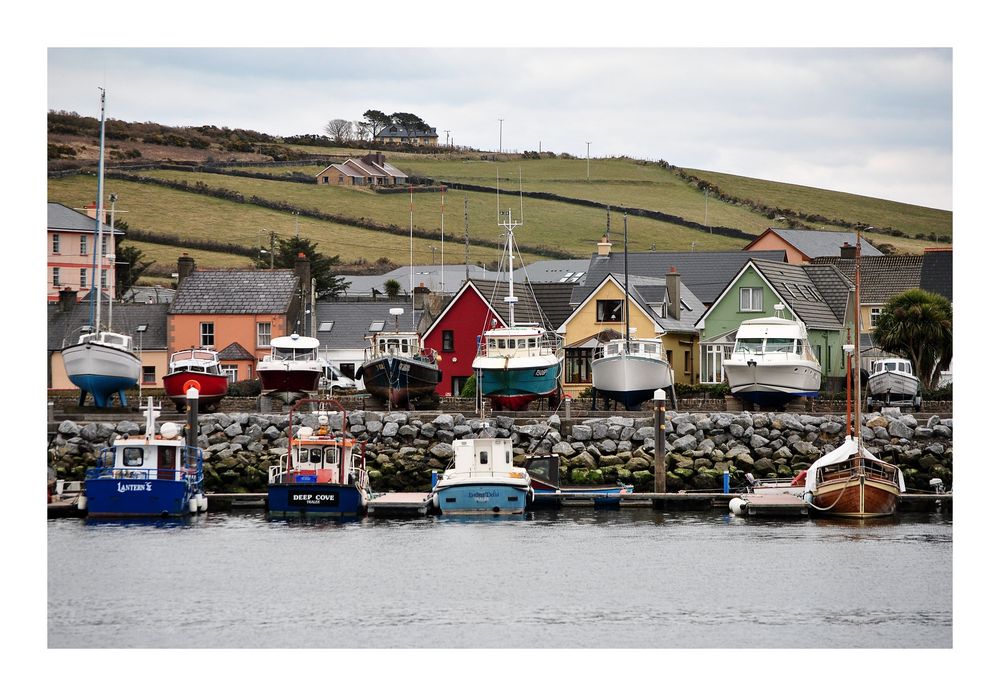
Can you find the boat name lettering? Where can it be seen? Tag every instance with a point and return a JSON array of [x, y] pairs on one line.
[[540, 373], [310, 498], [127, 487], [486, 494], [404, 368]]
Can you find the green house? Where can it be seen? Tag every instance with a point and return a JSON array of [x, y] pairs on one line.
[[818, 296]]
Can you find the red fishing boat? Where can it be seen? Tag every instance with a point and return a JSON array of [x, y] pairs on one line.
[[198, 368]]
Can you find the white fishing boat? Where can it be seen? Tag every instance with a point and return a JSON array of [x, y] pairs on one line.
[[483, 479], [292, 370], [893, 382], [101, 362], [630, 370], [772, 362]]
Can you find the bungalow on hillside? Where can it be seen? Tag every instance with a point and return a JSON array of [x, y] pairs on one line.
[[396, 133], [818, 296], [802, 246], [370, 170]]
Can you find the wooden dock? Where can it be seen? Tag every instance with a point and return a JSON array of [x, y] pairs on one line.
[[399, 504]]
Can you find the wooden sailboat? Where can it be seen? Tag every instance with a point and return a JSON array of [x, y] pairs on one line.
[[851, 481]]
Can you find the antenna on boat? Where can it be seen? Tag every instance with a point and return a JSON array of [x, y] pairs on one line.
[[396, 311], [779, 310]]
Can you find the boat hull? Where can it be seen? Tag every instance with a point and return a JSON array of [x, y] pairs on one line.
[[886, 384], [101, 371], [773, 385], [630, 379], [857, 497], [288, 380], [482, 498], [293, 500], [211, 388], [398, 380], [514, 388], [123, 497]]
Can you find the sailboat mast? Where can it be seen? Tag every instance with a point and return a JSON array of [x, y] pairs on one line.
[[510, 267], [627, 331], [413, 301], [857, 340], [95, 278]]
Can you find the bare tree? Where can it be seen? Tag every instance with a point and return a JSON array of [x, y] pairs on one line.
[[339, 130]]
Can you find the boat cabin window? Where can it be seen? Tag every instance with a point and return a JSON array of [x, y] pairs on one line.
[[492, 343], [508, 456], [132, 456], [650, 348], [612, 349], [331, 455], [484, 457], [522, 343], [749, 345], [780, 345], [313, 455], [532, 343]]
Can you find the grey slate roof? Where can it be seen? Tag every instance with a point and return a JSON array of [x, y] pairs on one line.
[[553, 271], [814, 243], [148, 294], [235, 351], [64, 219], [881, 276], [235, 291], [553, 298], [794, 284], [936, 273], [429, 275], [652, 292], [397, 131], [125, 317], [352, 319], [526, 311], [705, 273]]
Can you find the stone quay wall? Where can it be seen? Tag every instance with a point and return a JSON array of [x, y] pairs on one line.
[[404, 447]]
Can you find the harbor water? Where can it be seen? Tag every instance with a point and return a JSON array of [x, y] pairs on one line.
[[573, 578]]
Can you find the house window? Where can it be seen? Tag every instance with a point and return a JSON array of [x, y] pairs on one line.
[[670, 358], [55, 277], [263, 334], [104, 246], [83, 245], [348, 370], [83, 278], [687, 362], [448, 341], [149, 374], [875, 313], [818, 352], [55, 244], [751, 299], [104, 278], [232, 372], [326, 180], [457, 384], [578, 365], [207, 334], [609, 310]]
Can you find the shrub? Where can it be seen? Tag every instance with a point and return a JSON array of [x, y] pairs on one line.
[[247, 387], [469, 388]]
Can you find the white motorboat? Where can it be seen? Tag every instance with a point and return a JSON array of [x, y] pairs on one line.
[[627, 369], [772, 362], [892, 381], [483, 479], [292, 369]]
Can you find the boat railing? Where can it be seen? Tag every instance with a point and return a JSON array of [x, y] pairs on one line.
[[475, 473]]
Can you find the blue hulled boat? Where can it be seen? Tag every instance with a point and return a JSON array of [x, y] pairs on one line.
[[323, 474], [483, 479], [148, 475]]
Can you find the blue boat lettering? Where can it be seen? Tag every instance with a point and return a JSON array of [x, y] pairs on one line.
[[132, 487]]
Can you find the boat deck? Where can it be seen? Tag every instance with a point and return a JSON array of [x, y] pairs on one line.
[[399, 504]]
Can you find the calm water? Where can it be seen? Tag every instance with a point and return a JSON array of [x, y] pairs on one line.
[[574, 578]]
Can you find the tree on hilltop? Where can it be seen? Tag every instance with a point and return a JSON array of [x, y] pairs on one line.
[[339, 129]]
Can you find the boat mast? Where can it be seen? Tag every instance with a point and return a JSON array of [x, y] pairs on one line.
[[95, 317], [857, 341], [627, 330], [510, 299]]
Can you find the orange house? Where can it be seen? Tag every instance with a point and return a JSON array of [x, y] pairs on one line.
[[236, 312], [802, 246]]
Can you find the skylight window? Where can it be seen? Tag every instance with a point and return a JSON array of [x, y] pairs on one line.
[[326, 325], [377, 325]]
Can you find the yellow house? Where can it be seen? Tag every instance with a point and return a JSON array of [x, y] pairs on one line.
[[657, 309]]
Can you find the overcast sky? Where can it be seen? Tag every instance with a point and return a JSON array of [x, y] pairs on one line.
[[876, 122]]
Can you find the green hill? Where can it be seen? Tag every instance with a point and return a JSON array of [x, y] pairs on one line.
[[223, 216]]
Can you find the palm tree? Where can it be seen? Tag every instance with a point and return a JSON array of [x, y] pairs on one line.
[[392, 288], [917, 324]]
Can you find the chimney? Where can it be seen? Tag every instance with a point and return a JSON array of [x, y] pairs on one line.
[[185, 267], [674, 293], [604, 246], [302, 271], [847, 251], [67, 299], [90, 210], [420, 296]]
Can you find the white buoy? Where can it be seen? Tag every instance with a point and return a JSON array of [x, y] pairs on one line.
[[81, 503], [737, 506], [434, 502], [193, 504], [202, 502]]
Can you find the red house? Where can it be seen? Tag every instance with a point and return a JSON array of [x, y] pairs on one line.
[[455, 332]]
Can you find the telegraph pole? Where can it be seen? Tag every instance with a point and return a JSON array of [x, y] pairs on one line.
[[501, 135]]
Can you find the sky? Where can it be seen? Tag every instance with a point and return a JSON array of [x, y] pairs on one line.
[[871, 121]]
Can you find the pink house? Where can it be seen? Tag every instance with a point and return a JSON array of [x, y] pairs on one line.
[[71, 247]]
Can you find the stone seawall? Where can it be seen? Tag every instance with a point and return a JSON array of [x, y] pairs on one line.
[[402, 448]]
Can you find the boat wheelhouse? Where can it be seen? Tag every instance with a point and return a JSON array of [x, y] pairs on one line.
[[772, 362], [198, 368], [631, 371], [323, 473], [155, 474], [397, 369], [292, 369], [483, 479]]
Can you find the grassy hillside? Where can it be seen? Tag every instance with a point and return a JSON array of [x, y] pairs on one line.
[[552, 228]]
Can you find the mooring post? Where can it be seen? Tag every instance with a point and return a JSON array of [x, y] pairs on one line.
[[192, 410], [725, 481], [567, 406], [660, 436], [434, 480]]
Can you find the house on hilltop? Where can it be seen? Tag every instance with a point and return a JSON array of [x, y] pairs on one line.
[[370, 170], [396, 133], [802, 246]]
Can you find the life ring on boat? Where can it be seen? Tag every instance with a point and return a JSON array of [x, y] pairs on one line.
[[192, 383], [800, 478]]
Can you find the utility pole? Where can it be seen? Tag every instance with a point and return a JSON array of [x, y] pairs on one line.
[[274, 238], [466, 237], [588, 160], [446, 134], [501, 135]]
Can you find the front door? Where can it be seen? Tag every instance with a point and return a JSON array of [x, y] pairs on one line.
[[457, 383]]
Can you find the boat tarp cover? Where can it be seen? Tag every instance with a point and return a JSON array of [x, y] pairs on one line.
[[842, 454]]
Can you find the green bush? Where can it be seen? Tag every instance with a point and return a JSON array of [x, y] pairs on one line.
[[469, 388], [248, 387]]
